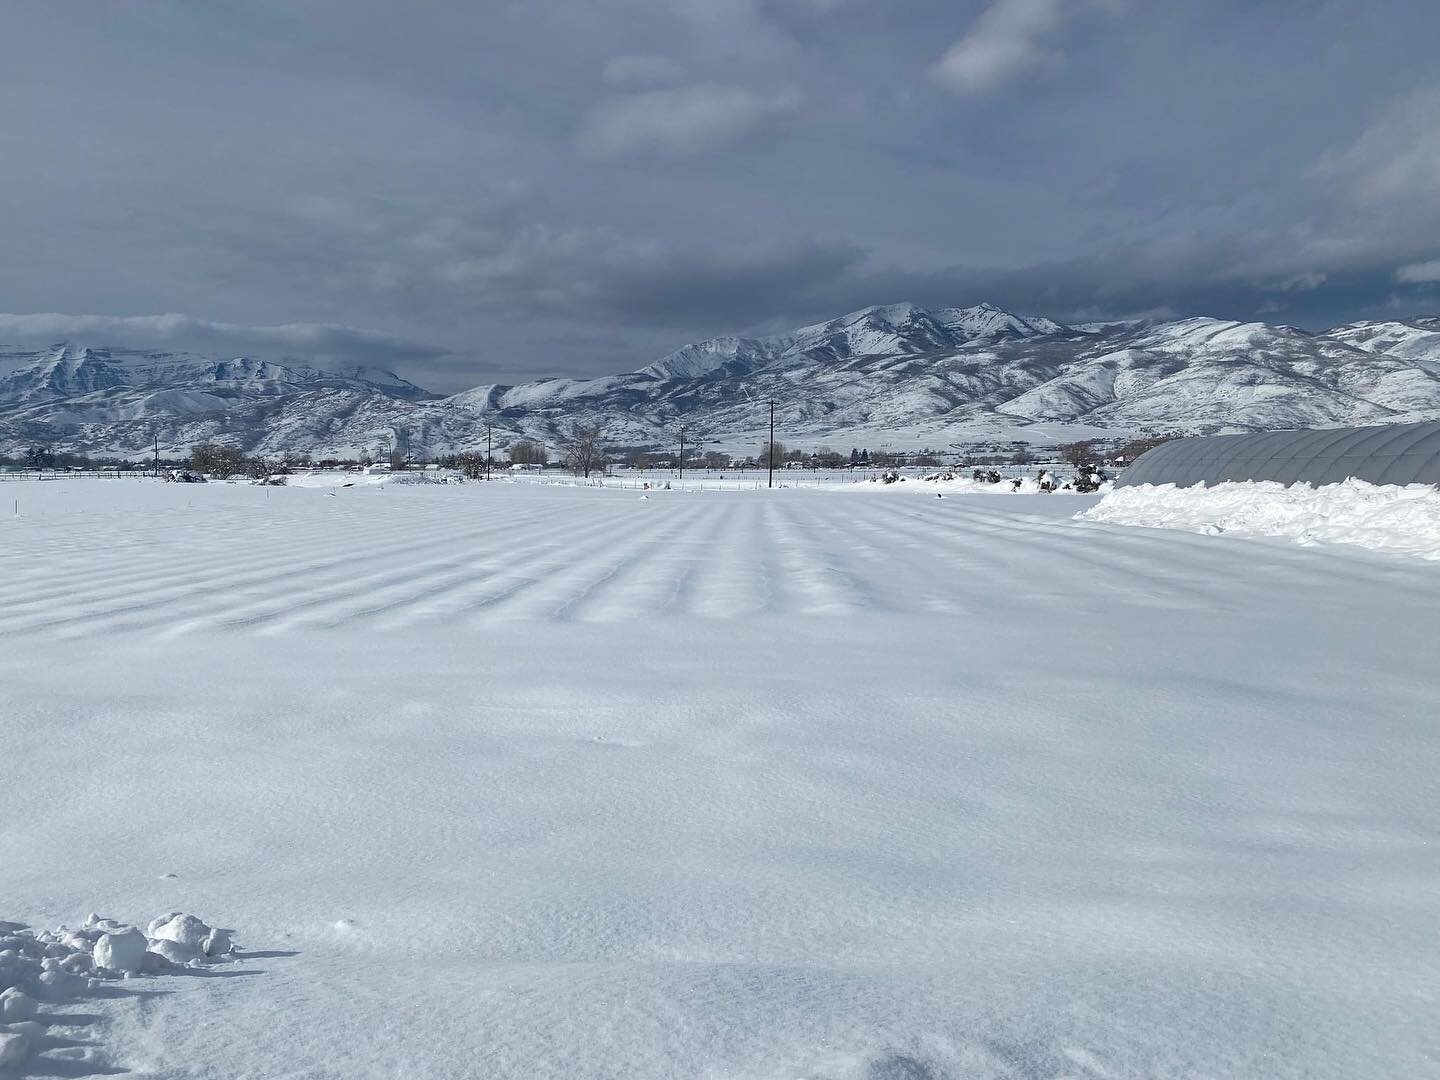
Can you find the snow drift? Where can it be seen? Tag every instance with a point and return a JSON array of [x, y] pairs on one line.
[[1382, 517], [55, 965]]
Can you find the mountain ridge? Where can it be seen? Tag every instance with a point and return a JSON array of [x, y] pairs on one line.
[[896, 373]]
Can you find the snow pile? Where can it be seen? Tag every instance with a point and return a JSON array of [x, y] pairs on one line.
[[53, 965], [1382, 517], [403, 478], [331, 479]]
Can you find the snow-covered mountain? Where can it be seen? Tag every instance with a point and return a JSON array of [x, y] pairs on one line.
[[892, 330], [989, 321], [66, 371], [897, 374]]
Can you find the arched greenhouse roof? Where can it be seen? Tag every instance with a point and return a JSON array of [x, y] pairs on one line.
[[1388, 454]]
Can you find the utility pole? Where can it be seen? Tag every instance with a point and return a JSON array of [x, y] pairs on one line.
[[488, 430], [682, 451], [157, 456], [770, 449]]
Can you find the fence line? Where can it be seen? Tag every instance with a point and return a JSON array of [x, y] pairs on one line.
[[73, 474]]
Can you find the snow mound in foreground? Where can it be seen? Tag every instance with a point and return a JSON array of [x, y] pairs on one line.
[[1382, 517], [53, 965]]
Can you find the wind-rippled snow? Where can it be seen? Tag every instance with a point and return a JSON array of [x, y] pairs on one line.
[[528, 781]]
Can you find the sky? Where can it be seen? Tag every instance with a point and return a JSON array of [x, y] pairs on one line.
[[475, 191]]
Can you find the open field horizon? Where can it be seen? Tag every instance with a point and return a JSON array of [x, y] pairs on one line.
[[321, 759]]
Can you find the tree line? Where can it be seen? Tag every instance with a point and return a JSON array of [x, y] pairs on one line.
[[584, 451], [41, 456]]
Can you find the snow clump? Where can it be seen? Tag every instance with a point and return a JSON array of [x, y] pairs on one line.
[[121, 949], [52, 965]]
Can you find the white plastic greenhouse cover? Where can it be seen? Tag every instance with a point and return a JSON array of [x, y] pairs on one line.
[[1388, 454]]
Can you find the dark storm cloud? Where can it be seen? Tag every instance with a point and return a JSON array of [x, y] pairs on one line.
[[497, 191], [318, 343]]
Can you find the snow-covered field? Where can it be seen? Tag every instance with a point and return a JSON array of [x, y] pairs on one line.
[[527, 781]]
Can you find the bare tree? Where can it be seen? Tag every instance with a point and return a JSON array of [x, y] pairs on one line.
[[1079, 453], [216, 460], [772, 455], [471, 464], [584, 453], [259, 468], [1135, 447], [528, 452]]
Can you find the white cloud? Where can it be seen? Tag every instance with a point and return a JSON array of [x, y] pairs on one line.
[[643, 69], [1305, 282], [1419, 273], [1007, 40], [1397, 157], [1382, 185], [681, 121], [320, 343]]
